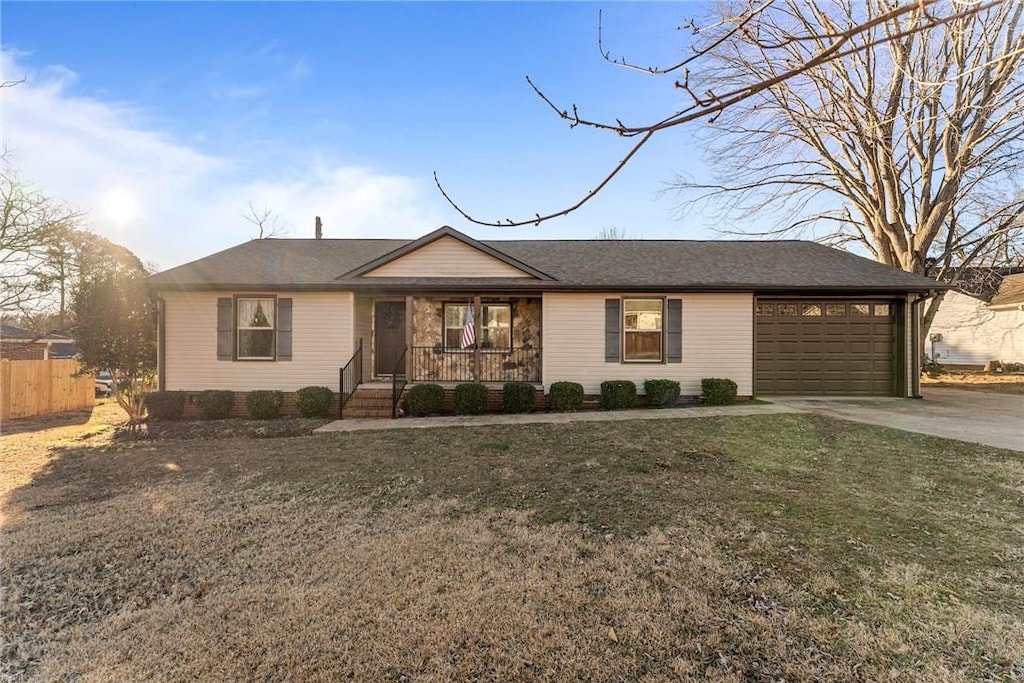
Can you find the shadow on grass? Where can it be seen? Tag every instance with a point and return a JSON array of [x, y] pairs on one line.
[[39, 423]]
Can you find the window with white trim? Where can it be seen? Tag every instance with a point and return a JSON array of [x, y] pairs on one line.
[[642, 338], [255, 329], [495, 326]]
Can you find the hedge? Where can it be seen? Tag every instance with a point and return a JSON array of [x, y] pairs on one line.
[[718, 391], [165, 405], [661, 393], [618, 394], [518, 397], [215, 404], [264, 404], [424, 399], [314, 401], [565, 397], [470, 398]]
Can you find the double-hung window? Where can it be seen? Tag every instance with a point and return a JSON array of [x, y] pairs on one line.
[[255, 328], [642, 337], [495, 325]]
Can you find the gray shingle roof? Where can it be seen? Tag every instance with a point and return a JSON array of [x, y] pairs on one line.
[[653, 265]]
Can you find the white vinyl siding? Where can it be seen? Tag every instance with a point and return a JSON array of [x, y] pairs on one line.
[[973, 334], [447, 257], [718, 341], [321, 344]]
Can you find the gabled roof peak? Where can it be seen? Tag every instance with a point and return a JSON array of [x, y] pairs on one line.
[[441, 233]]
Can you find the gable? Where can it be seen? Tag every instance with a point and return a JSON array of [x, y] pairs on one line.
[[447, 257]]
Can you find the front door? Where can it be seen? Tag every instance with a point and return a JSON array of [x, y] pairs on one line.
[[388, 335]]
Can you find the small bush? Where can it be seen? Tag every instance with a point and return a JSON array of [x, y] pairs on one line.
[[424, 399], [215, 404], [718, 391], [661, 393], [264, 404], [566, 397], [618, 394], [314, 401], [165, 405], [518, 397], [470, 398]]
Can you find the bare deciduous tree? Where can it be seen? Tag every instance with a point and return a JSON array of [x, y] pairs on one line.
[[910, 146], [268, 223], [28, 221], [786, 42]]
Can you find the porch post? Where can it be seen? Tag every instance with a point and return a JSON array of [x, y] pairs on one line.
[[409, 321], [477, 312]]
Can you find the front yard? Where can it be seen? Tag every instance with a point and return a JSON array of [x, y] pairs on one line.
[[738, 548]]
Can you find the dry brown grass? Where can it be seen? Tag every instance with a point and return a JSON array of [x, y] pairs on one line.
[[1004, 383], [787, 547]]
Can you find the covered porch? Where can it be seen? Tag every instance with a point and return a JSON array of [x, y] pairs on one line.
[[444, 338]]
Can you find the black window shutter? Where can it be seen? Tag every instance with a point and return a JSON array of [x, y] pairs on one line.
[[225, 328], [612, 331], [284, 329], [675, 331]]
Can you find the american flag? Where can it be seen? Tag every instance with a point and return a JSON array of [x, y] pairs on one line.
[[468, 331]]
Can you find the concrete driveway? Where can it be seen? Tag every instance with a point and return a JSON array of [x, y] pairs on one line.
[[975, 416]]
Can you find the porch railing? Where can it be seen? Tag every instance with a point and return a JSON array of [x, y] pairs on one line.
[[437, 364], [350, 377], [398, 381]]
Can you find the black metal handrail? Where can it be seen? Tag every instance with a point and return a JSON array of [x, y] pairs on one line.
[[399, 378], [350, 377], [438, 364]]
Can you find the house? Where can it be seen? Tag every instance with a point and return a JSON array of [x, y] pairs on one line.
[[17, 343], [777, 317], [975, 325]]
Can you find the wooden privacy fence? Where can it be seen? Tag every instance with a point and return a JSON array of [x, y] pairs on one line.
[[40, 387]]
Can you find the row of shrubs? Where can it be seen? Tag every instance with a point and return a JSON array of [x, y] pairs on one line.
[[217, 404], [519, 397], [427, 399]]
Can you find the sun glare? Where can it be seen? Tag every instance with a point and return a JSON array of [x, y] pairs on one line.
[[119, 206]]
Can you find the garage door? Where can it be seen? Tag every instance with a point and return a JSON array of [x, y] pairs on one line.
[[824, 347]]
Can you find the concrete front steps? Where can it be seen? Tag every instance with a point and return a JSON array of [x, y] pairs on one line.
[[368, 403]]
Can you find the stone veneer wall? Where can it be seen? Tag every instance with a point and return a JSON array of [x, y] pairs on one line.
[[433, 363]]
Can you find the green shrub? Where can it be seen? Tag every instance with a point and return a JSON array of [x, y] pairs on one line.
[[424, 399], [264, 404], [518, 397], [718, 391], [565, 397], [215, 404], [314, 401], [165, 405], [661, 393], [618, 394], [470, 398]]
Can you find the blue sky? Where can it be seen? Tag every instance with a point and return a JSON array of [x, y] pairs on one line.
[[163, 120]]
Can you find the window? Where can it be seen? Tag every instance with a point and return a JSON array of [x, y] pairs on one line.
[[882, 310], [835, 310], [810, 310], [495, 325], [764, 310], [787, 309], [860, 309], [641, 329], [255, 328]]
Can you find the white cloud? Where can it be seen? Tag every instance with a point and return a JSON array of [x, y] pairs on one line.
[[171, 202]]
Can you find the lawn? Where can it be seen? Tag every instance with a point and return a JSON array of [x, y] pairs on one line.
[[781, 547], [1000, 383]]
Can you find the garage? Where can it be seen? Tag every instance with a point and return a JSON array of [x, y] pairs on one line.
[[838, 347]]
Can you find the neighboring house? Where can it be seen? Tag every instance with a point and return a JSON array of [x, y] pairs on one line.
[[969, 330], [17, 343], [778, 317]]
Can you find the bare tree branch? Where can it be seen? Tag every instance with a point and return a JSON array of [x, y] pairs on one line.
[[789, 55], [268, 223]]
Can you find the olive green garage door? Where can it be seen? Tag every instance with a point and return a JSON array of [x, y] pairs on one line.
[[808, 347]]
